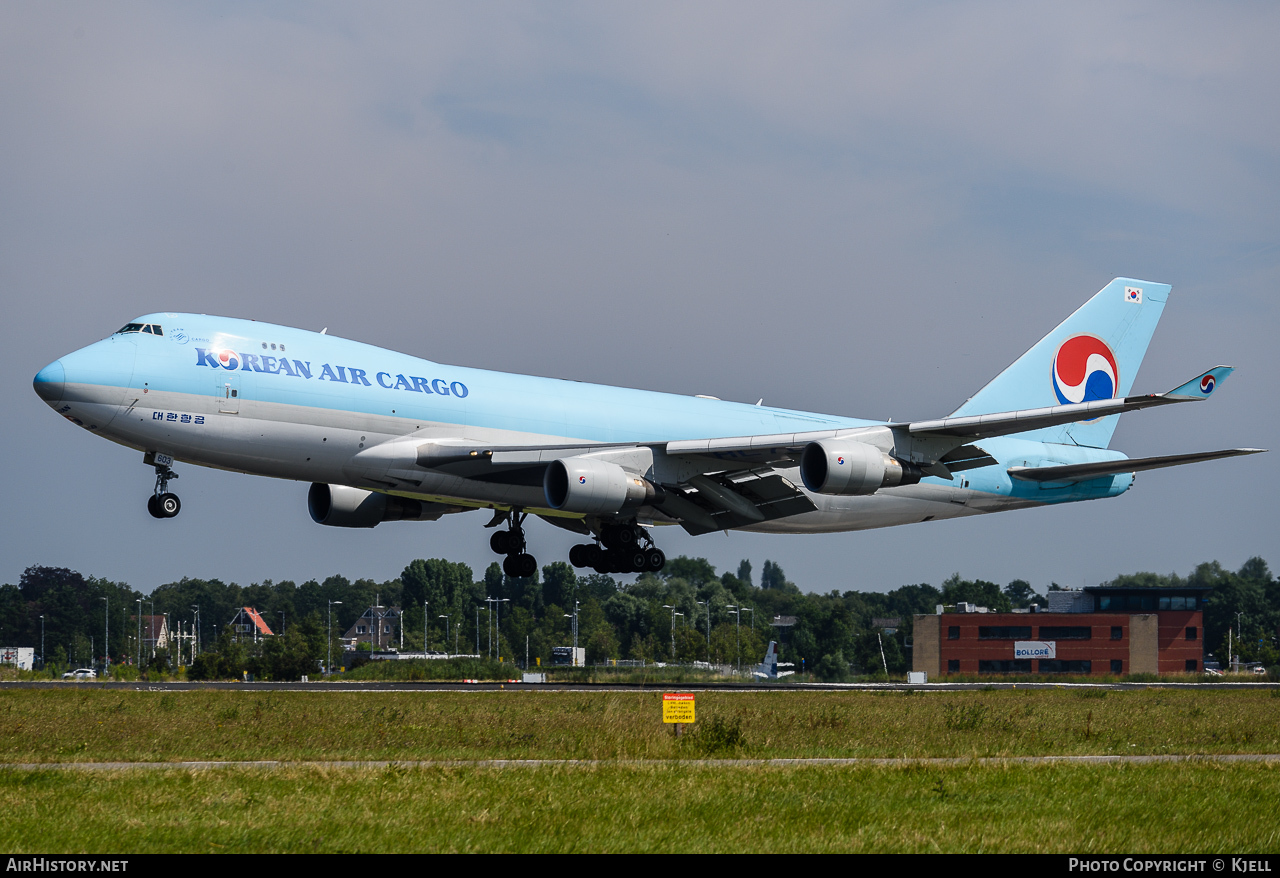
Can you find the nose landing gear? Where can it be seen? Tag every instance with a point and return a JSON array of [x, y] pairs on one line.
[[511, 543], [161, 503]]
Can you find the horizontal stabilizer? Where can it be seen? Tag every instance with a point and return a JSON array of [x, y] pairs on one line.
[[1080, 472]]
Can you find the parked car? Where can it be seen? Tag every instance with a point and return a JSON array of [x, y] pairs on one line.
[[1259, 670], [81, 674]]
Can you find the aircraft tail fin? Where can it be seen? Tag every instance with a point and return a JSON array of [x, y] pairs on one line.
[[1093, 354]]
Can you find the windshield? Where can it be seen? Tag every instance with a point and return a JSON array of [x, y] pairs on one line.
[[149, 328]]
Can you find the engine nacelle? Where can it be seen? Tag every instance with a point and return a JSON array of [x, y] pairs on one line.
[[592, 487], [341, 506], [843, 466]]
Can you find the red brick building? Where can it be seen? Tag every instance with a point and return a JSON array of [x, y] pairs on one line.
[[1097, 631]]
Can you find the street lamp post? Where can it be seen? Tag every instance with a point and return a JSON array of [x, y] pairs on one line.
[[329, 666], [446, 634], [196, 609], [574, 617], [42, 662], [426, 626], [707, 604], [737, 632], [139, 635], [672, 608], [106, 637], [574, 623], [496, 616]]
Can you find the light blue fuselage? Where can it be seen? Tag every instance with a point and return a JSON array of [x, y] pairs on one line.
[[299, 405]]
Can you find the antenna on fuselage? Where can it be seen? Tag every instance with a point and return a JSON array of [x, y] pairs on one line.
[[323, 331]]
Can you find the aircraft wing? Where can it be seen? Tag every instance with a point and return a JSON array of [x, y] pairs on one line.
[[1005, 423], [1079, 472], [728, 482], [944, 432]]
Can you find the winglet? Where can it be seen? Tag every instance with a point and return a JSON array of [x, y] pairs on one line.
[[1201, 386]]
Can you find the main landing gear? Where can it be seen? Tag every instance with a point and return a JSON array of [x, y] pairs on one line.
[[623, 548], [510, 542], [162, 504]]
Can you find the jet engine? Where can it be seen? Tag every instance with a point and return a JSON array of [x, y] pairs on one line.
[[590, 486], [842, 466], [341, 506]]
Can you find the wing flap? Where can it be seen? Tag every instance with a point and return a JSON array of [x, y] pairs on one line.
[[725, 503]]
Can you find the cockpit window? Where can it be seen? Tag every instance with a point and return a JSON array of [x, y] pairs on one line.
[[150, 328]]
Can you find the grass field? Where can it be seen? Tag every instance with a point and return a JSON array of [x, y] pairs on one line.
[[89, 725], [1076, 809], [622, 805]]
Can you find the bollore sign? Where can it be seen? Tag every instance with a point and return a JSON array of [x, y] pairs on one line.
[[1035, 649]]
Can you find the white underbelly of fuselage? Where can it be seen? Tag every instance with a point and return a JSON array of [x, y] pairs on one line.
[[308, 444]]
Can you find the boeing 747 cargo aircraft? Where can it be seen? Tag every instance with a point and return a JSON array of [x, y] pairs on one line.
[[383, 436]]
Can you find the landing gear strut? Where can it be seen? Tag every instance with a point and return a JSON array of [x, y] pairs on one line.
[[623, 548], [162, 504], [510, 542]]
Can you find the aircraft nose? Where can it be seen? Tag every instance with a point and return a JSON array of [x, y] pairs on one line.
[[50, 382]]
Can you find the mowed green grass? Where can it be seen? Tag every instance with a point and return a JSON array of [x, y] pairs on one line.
[[87, 724], [731, 807], [703, 796]]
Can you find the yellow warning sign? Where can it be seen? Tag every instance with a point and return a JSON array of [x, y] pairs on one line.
[[677, 708]]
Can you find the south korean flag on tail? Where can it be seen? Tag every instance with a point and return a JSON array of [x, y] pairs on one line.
[[1133, 294]]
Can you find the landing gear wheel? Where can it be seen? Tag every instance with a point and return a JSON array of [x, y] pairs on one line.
[[528, 564], [520, 566], [655, 560], [579, 555], [153, 506], [500, 542], [169, 505], [620, 536], [639, 560]]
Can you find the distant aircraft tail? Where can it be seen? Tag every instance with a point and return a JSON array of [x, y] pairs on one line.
[[1093, 354], [768, 668]]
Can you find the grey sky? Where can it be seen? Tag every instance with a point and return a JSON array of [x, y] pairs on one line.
[[867, 209]]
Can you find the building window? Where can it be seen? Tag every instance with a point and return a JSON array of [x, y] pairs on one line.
[[1117, 632], [953, 666], [360, 629], [1117, 666], [1004, 632], [1192, 666], [1191, 633], [953, 632], [1066, 632], [1005, 666], [1064, 666]]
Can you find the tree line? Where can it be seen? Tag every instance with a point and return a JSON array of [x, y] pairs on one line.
[[688, 612]]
